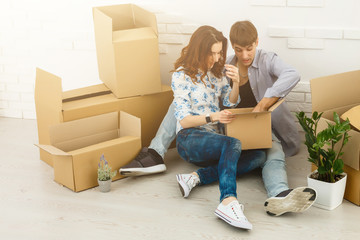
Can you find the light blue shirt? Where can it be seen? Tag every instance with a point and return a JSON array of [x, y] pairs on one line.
[[270, 77], [199, 98]]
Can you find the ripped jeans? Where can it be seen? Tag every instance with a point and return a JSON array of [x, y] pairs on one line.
[[220, 155]]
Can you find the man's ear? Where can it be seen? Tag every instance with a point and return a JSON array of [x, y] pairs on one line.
[[257, 42]]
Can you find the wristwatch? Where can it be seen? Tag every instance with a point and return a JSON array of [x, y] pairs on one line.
[[208, 118]]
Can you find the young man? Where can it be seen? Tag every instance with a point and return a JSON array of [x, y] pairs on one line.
[[264, 78]]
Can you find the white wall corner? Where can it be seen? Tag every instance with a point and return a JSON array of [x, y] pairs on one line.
[[352, 34], [306, 43], [329, 33], [274, 3], [274, 31], [305, 3]]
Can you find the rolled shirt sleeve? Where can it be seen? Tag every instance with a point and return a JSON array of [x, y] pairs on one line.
[[287, 77]]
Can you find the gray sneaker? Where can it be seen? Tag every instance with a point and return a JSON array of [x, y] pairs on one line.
[[148, 161], [293, 200]]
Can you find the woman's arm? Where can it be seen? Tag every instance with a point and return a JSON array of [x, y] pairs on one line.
[[232, 72], [223, 116]]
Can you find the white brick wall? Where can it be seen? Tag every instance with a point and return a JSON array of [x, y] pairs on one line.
[[30, 30]]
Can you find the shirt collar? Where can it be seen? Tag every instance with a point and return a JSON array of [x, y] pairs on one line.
[[255, 63]]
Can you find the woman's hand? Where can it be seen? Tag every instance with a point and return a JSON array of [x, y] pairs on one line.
[[232, 72], [224, 116]]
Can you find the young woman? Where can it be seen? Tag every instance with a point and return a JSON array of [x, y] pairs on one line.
[[198, 83]]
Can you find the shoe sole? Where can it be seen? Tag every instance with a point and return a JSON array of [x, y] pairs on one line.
[[226, 219], [142, 171], [298, 200], [182, 186]]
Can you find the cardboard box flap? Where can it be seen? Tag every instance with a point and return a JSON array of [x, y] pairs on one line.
[[103, 145], [275, 105], [86, 92], [129, 125], [343, 85], [131, 16], [143, 18], [85, 128], [48, 103], [244, 111], [84, 141], [52, 150], [351, 149], [134, 34], [354, 117]]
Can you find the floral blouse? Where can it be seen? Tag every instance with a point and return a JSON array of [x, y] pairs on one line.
[[198, 99]]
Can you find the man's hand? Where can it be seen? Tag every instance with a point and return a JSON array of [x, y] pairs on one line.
[[265, 104], [224, 116]]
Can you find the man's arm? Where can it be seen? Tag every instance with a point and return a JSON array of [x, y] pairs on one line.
[[265, 104]]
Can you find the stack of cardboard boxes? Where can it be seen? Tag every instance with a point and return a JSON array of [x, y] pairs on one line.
[[115, 118], [339, 93]]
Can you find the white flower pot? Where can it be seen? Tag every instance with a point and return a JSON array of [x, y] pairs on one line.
[[104, 186], [329, 195]]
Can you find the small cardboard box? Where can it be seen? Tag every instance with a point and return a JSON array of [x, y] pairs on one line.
[[76, 147], [339, 93], [253, 129], [54, 106], [127, 48]]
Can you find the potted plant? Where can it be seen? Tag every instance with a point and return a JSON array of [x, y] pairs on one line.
[[104, 175], [325, 151]]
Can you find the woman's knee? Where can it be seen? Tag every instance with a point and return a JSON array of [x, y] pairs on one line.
[[233, 144]]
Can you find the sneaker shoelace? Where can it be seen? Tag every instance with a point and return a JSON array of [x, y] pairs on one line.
[[238, 209], [193, 181]]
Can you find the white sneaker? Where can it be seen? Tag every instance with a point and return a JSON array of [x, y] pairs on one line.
[[186, 183], [233, 215]]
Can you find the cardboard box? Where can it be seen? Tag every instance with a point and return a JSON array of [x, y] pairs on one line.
[[54, 106], [76, 147], [354, 117], [339, 93], [127, 49], [253, 129]]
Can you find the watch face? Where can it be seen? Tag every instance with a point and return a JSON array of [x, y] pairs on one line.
[[208, 119]]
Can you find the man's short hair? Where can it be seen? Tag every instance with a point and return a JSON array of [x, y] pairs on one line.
[[243, 33]]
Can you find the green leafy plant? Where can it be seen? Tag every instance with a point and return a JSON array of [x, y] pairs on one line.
[[104, 170], [321, 145]]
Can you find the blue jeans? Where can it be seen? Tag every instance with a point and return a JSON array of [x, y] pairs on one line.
[[203, 148], [273, 170]]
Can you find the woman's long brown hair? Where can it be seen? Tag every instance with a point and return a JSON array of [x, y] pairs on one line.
[[195, 55]]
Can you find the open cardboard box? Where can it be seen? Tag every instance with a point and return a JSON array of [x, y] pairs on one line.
[[339, 93], [54, 106], [76, 147], [253, 129], [127, 49]]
